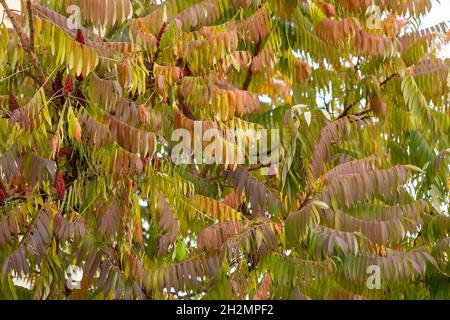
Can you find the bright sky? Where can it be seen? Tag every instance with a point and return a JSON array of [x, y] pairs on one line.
[[439, 12], [13, 4]]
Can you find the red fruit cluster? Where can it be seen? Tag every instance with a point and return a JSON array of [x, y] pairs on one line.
[[68, 86], [80, 37], [13, 104], [60, 186], [2, 194], [186, 72], [2, 197]]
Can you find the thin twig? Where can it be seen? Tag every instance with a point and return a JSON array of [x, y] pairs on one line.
[[351, 106], [248, 79]]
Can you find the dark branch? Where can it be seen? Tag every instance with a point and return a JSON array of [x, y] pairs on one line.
[[248, 79], [31, 25], [351, 106]]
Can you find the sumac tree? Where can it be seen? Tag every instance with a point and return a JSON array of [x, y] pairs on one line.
[[89, 178]]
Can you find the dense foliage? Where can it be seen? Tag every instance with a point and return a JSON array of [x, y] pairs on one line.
[[88, 176]]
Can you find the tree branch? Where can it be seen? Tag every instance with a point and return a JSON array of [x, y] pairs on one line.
[[248, 79], [26, 43], [349, 107], [30, 23]]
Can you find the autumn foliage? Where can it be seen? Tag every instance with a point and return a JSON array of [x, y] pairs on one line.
[[360, 103]]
